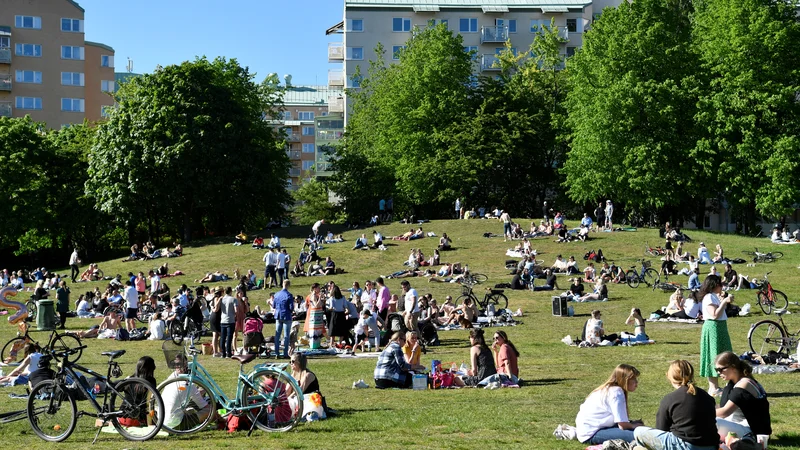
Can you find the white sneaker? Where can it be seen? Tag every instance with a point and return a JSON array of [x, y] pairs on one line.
[[360, 384]]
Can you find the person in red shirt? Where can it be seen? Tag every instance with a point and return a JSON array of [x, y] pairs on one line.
[[506, 355]]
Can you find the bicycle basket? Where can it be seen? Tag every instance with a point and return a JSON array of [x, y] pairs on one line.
[[646, 264], [175, 355], [466, 289]]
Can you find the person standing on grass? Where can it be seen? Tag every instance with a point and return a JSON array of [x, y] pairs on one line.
[[714, 337], [227, 316], [609, 213], [315, 227], [383, 298], [458, 208], [411, 310], [600, 215], [74, 260], [506, 219], [62, 294], [284, 308], [280, 265], [132, 298], [269, 270]]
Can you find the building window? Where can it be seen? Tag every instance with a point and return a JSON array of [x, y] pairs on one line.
[[287, 115], [106, 61], [308, 131], [72, 79], [324, 113], [28, 50], [512, 26], [396, 51], [5, 42], [305, 115], [473, 49], [355, 53], [400, 24], [28, 22], [468, 25], [570, 52], [105, 111], [72, 104], [572, 25], [433, 22], [355, 25], [28, 103], [354, 81], [72, 25], [308, 165], [308, 148], [70, 52], [29, 76], [537, 26], [107, 86]]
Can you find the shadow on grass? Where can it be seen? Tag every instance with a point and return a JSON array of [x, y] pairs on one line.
[[544, 381], [784, 395], [676, 342], [786, 440]]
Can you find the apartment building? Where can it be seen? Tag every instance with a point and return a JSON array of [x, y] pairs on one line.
[[485, 26], [47, 69], [304, 106]]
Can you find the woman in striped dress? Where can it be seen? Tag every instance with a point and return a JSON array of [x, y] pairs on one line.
[[314, 326]]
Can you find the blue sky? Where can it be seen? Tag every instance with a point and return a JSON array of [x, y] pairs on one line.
[[265, 35]]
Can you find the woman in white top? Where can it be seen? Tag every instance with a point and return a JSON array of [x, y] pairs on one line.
[[157, 328], [714, 337], [31, 362], [604, 414]]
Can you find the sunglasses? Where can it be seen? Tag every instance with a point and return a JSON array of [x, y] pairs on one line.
[[720, 369], [496, 338]]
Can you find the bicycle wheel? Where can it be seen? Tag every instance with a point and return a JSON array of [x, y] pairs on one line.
[[650, 276], [191, 406], [765, 336], [767, 258], [478, 277], [632, 278], [136, 403], [30, 305], [499, 300], [145, 312], [191, 330], [64, 342], [779, 300], [12, 349], [776, 255], [176, 332], [52, 411], [280, 397]]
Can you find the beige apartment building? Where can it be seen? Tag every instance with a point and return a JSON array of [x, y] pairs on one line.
[[47, 69], [485, 26]]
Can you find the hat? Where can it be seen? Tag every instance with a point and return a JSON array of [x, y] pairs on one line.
[[608, 201], [218, 289], [702, 243]]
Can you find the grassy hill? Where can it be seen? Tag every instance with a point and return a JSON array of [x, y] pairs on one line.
[[557, 377]]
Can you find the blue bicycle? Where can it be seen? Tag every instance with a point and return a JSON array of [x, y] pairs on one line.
[[647, 275]]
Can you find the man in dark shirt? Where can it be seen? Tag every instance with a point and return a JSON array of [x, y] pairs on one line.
[[549, 282], [668, 266]]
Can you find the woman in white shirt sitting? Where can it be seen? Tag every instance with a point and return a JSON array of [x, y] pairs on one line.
[[604, 414]]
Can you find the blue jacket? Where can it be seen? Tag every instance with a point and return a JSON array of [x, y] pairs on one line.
[[284, 305]]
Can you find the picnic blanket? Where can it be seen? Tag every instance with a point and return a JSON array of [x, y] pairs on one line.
[[586, 344], [360, 355], [774, 368], [318, 351], [675, 319]]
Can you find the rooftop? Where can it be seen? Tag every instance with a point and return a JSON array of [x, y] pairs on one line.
[[97, 44], [310, 95], [433, 5]]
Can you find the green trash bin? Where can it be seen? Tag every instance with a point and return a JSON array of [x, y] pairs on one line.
[[46, 315]]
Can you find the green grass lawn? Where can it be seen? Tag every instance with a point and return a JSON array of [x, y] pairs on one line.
[[557, 377]]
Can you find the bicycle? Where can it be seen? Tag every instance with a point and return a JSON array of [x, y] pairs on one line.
[[767, 257], [269, 396], [668, 286], [183, 328], [474, 278], [769, 298], [767, 335], [654, 251], [492, 296], [647, 275], [133, 406], [56, 342]]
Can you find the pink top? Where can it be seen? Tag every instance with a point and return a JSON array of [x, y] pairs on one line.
[[383, 298], [506, 353], [141, 284]]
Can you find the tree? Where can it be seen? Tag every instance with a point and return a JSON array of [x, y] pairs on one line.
[[189, 146], [631, 108], [312, 204]]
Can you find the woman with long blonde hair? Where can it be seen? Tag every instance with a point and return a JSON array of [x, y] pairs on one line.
[[604, 414], [685, 418]]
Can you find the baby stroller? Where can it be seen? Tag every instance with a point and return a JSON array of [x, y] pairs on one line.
[[254, 340], [394, 323]]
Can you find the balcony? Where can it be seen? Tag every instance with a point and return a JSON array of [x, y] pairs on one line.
[[294, 154], [5, 109], [335, 52], [294, 172], [329, 135], [563, 33], [5, 55], [494, 34], [490, 63], [335, 104], [335, 78], [5, 81], [293, 138]]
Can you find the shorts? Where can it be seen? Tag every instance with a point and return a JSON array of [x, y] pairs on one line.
[[132, 313]]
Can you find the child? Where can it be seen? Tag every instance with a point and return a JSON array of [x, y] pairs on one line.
[[29, 364], [368, 324]]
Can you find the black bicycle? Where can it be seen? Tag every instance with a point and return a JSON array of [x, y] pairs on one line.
[[492, 296], [133, 406], [56, 343]]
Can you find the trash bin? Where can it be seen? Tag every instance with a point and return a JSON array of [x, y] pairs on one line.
[[46, 315]]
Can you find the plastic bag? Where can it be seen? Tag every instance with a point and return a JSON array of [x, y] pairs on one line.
[[312, 403]]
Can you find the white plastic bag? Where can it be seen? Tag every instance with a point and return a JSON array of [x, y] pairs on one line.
[[313, 403]]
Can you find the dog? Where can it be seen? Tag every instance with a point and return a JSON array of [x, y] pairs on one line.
[[464, 323]]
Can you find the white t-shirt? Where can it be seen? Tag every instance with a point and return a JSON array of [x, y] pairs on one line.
[[155, 284], [73, 258], [368, 299], [280, 263], [175, 401], [713, 299], [602, 409], [691, 307], [131, 296], [157, 330], [411, 301], [316, 226], [84, 307], [378, 237]]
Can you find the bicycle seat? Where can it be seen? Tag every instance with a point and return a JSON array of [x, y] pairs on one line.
[[780, 312], [114, 354], [244, 359]]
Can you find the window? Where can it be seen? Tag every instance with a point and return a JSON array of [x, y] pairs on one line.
[[537, 26], [512, 26], [106, 61], [72, 104], [70, 52], [468, 25], [72, 79], [28, 22], [28, 103], [287, 115], [356, 53], [308, 148], [308, 165], [473, 49], [355, 25], [72, 25], [305, 115], [28, 50], [29, 76], [354, 82], [400, 24], [432, 23], [308, 131], [396, 51], [570, 52], [5, 42], [324, 113], [107, 86], [572, 25]]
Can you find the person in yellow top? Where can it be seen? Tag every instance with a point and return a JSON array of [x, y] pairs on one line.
[[241, 238], [411, 350]]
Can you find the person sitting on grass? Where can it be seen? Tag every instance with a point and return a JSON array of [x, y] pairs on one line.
[[466, 312], [175, 313], [392, 370], [481, 361], [274, 242], [444, 242], [668, 267], [361, 243], [377, 239], [213, 277], [308, 381], [156, 328], [240, 238], [559, 266], [575, 290], [599, 293], [589, 273], [258, 243], [330, 266], [506, 356], [603, 416], [635, 318], [744, 407], [731, 278], [404, 237], [412, 351], [315, 270], [185, 405], [29, 364]]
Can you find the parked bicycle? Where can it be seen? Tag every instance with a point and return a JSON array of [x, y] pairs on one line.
[[133, 406], [55, 343], [767, 257], [491, 297], [768, 298], [769, 335], [654, 251], [646, 275], [473, 278], [269, 395]]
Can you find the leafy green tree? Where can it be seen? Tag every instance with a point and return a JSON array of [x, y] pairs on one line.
[[312, 203], [189, 147]]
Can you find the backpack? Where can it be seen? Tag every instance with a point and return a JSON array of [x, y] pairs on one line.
[[122, 335], [237, 423]]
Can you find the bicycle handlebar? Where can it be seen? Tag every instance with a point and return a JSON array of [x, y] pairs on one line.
[[67, 352]]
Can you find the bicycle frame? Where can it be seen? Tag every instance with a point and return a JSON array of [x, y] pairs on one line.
[[67, 368]]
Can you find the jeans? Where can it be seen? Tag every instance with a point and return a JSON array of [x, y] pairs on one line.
[[607, 434], [281, 275], [654, 439], [282, 327], [74, 272], [506, 229], [226, 339]]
